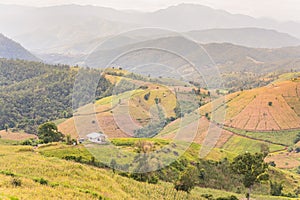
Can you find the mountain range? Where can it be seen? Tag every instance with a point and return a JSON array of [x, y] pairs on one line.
[[73, 29]]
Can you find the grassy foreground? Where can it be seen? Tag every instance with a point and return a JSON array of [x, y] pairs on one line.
[[53, 178]]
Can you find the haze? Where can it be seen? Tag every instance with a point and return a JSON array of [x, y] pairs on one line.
[[282, 10]]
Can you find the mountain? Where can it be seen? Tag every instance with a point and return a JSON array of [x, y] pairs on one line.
[[57, 29], [12, 50], [228, 57], [249, 37]]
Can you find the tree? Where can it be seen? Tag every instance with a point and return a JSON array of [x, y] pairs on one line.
[[48, 132], [264, 149], [113, 165], [252, 168], [187, 180], [6, 127], [297, 139]]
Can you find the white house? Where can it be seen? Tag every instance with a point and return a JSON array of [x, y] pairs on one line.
[[99, 138]]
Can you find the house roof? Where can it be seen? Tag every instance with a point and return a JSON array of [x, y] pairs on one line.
[[94, 135]]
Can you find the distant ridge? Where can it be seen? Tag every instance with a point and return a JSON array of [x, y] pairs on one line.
[[249, 37]]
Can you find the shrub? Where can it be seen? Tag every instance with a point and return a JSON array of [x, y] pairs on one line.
[[207, 196], [147, 96], [272, 163], [298, 170], [297, 139], [228, 198], [276, 188], [16, 182], [7, 173], [270, 103], [42, 181]]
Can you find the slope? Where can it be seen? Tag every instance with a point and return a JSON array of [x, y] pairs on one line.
[[11, 50], [270, 108]]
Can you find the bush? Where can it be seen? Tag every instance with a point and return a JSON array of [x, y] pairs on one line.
[[272, 163], [297, 139], [16, 182], [30, 142], [228, 198], [42, 181], [276, 188], [298, 170], [207, 196], [147, 96]]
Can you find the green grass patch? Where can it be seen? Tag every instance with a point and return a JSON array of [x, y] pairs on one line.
[[285, 138], [239, 144]]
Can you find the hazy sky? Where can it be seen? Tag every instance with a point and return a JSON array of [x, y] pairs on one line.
[[276, 9]]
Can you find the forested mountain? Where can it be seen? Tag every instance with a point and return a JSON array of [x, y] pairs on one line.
[[10, 49], [32, 93]]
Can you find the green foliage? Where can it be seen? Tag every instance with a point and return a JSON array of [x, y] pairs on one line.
[[276, 188], [297, 139], [32, 93], [252, 168], [68, 140], [154, 127], [298, 170], [272, 163], [232, 197], [48, 132], [41, 181], [31, 142], [187, 180], [7, 173]]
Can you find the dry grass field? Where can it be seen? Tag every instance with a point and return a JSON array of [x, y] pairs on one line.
[[15, 136], [271, 108]]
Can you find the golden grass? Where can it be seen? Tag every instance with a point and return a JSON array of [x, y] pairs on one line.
[[69, 180]]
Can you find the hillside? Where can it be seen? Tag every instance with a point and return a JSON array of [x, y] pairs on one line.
[[82, 182], [32, 93], [271, 108], [11, 50], [55, 178], [131, 107]]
